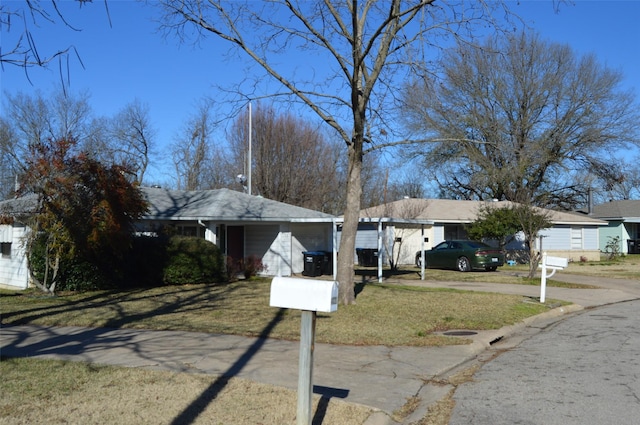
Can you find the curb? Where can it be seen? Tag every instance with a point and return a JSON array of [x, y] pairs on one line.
[[431, 395]]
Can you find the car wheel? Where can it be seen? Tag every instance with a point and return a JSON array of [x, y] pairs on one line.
[[419, 262], [463, 264]]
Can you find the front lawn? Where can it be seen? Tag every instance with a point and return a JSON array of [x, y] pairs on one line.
[[383, 315]]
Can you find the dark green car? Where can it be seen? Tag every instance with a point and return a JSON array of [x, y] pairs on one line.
[[463, 256]]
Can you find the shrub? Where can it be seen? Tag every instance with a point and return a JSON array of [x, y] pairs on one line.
[[146, 263], [251, 266], [81, 275], [246, 267], [192, 260], [74, 274], [613, 247], [151, 261]]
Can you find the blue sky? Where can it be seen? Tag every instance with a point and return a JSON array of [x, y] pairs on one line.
[[131, 60]]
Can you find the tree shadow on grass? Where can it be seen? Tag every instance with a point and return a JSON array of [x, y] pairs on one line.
[[191, 412], [83, 344]]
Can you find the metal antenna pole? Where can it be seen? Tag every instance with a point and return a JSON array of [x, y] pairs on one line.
[[249, 165]]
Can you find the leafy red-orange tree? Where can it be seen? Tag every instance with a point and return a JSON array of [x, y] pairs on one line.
[[85, 208]]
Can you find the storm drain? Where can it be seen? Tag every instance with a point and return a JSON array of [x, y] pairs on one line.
[[460, 333]]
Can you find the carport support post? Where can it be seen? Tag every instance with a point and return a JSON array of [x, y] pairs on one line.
[[422, 252], [379, 263], [305, 368]]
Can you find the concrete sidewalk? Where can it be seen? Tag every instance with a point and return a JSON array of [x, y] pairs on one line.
[[380, 377]]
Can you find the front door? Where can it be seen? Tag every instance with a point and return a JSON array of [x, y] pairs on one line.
[[235, 242]]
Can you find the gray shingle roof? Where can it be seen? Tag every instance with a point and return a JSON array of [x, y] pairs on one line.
[[454, 211], [18, 207], [212, 205], [618, 210], [223, 205]]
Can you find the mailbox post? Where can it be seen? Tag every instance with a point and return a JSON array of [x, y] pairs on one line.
[[310, 296], [550, 263]]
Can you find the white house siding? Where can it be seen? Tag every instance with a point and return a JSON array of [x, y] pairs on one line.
[[366, 237], [309, 237], [280, 254], [13, 261], [410, 244], [438, 235], [264, 242]]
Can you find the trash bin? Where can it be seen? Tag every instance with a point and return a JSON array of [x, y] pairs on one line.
[[633, 246], [314, 262], [367, 257], [327, 263]]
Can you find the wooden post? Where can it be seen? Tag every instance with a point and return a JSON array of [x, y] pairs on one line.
[[305, 368]]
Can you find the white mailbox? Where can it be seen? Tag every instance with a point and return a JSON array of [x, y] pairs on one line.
[[304, 294], [550, 263], [560, 262]]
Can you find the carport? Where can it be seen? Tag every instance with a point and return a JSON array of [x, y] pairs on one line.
[[402, 223]]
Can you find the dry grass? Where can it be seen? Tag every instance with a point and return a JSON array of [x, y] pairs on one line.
[[627, 267], [63, 392], [79, 393], [384, 314], [440, 412]]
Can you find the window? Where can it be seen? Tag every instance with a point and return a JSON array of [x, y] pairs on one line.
[[454, 231], [5, 249], [576, 238]]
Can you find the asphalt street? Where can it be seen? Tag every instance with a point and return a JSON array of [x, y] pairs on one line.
[[580, 370]]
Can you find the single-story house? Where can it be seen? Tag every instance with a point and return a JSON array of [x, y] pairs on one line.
[[241, 225], [572, 236], [623, 221]]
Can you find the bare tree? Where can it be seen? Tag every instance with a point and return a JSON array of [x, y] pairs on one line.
[[191, 152], [532, 220], [132, 138], [9, 166], [397, 234], [374, 178], [521, 116], [624, 184], [350, 56], [22, 50], [38, 118], [291, 160], [35, 119]]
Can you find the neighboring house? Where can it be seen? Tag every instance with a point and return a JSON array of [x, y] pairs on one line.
[[13, 261], [241, 225], [623, 218], [572, 236]]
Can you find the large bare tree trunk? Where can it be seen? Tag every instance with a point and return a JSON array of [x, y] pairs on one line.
[[346, 274], [367, 42]]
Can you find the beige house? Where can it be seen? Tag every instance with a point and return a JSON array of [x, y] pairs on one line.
[[572, 236]]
